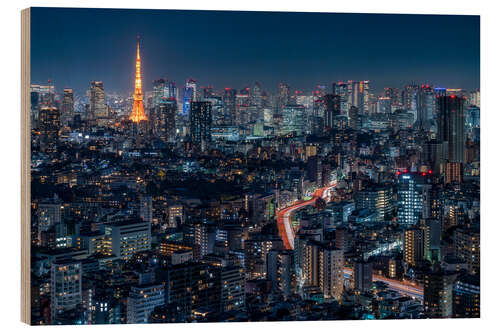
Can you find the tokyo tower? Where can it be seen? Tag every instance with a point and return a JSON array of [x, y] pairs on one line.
[[138, 114]]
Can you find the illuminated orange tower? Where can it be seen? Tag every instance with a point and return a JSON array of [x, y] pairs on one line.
[[138, 114]]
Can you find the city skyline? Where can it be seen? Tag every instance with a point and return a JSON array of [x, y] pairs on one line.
[[239, 56], [195, 204]]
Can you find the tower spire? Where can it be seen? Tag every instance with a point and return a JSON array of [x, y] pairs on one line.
[[138, 53], [138, 113]]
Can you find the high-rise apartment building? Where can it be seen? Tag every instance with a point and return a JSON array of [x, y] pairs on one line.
[[438, 294], [324, 268], [410, 198], [467, 247], [163, 89], [280, 270], [294, 120], [146, 209], [414, 245], [190, 95], [175, 215], [65, 286], [284, 96]]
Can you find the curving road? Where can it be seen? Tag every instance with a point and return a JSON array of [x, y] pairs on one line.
[[285, 224]]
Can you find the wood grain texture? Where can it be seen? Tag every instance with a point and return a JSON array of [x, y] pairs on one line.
[[25, 168]]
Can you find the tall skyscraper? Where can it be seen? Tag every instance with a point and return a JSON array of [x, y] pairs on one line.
[[409, 97], [318, 111], [332, 109], [451, 126], [163, 89], [190, 95], [341, 90], [353, 93], [426, 106], [229, 99], [294, 119], [256, 95], [354, 118], [164, 119], [138, 113], [364, 87], [97, 106], [49, 124], [200, 122], [40, 96], [243, 107], [67, 106], [283, 96]]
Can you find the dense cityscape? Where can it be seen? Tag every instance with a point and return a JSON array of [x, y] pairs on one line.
[[197, 203]]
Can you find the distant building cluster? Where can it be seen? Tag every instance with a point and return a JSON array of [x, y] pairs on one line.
[[192, 203]]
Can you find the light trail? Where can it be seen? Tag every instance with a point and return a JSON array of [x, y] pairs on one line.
[[403, 287], [284, 223]]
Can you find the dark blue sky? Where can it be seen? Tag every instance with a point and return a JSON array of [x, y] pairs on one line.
[[233, 49]]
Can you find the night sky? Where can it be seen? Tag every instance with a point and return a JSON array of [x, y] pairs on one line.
[[234, 49]]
